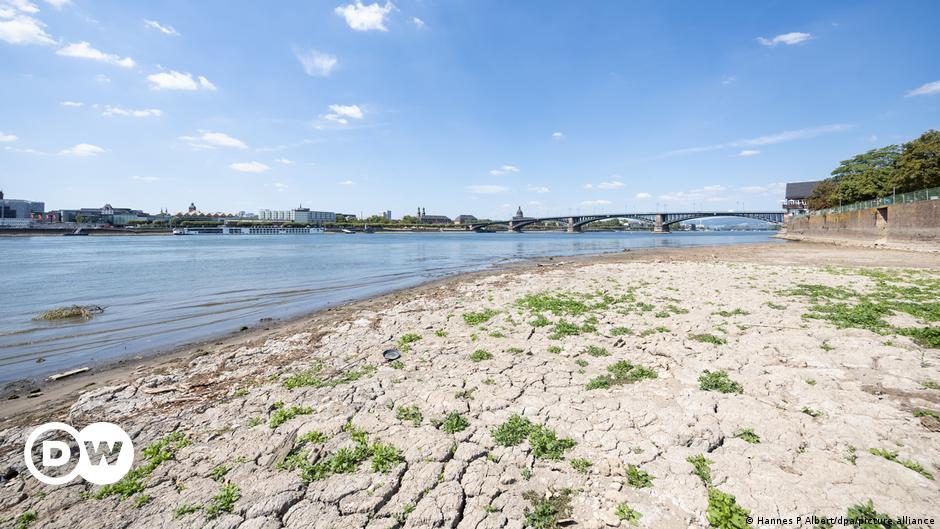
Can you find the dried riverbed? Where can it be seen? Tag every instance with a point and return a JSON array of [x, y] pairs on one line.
[[636, 389]]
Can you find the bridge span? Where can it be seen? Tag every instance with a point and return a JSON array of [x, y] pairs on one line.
[[659, 221]]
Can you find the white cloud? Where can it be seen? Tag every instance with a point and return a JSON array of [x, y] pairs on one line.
[[166, 30], [610, 185], [102, 78], [780, 137], [82, 150], [642, 196], [174, 80], [83, 50], [145, 178], [22, 29], [486, 189], [774, 189], [787, 38], [315, 63], [340, 113], [600, 202], [713, 193], [361, 17], [558, 136], [728, 80], [143, 113], [58, 4], [505, 169], [925, 89], [347, 183], [208, 139], [418, 22], [748, 152], [284, 161], [249, 167], [6, 138], [538, 189], [72, 103]]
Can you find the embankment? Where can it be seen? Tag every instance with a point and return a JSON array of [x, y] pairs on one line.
[[913, 225]]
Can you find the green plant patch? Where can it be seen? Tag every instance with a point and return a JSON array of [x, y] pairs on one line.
[[621, 331], [581, 465], [151, 457], [638, 479], [747, 435], [410, 414], [730, 313], [480, 355], [718, 381], [559, 304], [223, 502], [546, 444], [865, 516], [282, 414], [595, 351], [405, 341], [708, 338], [476, 318], [626, 513], [453, 422], [547, 510], [724, 511], [540, 321], [513, 431], [811, 412], [891, 455], [621, 372], [701, 467]]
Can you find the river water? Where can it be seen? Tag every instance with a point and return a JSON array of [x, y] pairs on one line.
[[161, 292]]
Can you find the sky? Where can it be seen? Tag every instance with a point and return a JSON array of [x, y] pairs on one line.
[[459, 107]]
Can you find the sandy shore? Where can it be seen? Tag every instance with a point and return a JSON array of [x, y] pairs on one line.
[[601, 358]]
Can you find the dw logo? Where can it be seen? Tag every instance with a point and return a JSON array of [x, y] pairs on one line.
[[96, 443]]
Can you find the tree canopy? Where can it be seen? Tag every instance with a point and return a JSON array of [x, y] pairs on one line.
[[881, 172]]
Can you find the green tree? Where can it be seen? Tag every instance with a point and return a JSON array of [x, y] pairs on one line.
[[918, 166], [409, 219], [862, 177]]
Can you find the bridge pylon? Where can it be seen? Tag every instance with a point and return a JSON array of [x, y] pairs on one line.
[[660, 227]]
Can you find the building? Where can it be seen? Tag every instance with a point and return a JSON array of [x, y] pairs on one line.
[[424, 218], [300, 215], [108, 214], [193, 214], [19, 213], [387, 215], [465, 219], [796, 195], [519, 215]]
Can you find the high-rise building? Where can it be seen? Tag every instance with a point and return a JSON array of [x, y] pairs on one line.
[[14, 212]]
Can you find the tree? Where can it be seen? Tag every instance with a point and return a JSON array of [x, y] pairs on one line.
[[861, 177], [409, 219], [918, 166]]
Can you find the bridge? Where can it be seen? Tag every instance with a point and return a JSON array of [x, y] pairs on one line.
[[659, 221]]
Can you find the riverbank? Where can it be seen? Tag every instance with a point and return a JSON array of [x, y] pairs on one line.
[[555, 341]]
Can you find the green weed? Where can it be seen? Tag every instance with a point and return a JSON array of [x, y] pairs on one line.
[[718, 381]]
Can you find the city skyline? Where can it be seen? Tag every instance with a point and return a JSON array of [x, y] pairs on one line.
[[464, 108]]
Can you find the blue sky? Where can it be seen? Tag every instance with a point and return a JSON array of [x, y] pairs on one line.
[[469, 106]]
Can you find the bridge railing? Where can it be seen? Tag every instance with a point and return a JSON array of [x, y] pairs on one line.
[[931, 193]]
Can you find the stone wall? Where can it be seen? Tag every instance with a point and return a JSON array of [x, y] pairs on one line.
[[913, 222]]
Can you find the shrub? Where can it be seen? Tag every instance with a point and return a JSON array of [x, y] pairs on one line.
[[718, 381]]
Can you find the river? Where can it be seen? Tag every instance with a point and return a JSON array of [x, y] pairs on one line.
[[162, 292]]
